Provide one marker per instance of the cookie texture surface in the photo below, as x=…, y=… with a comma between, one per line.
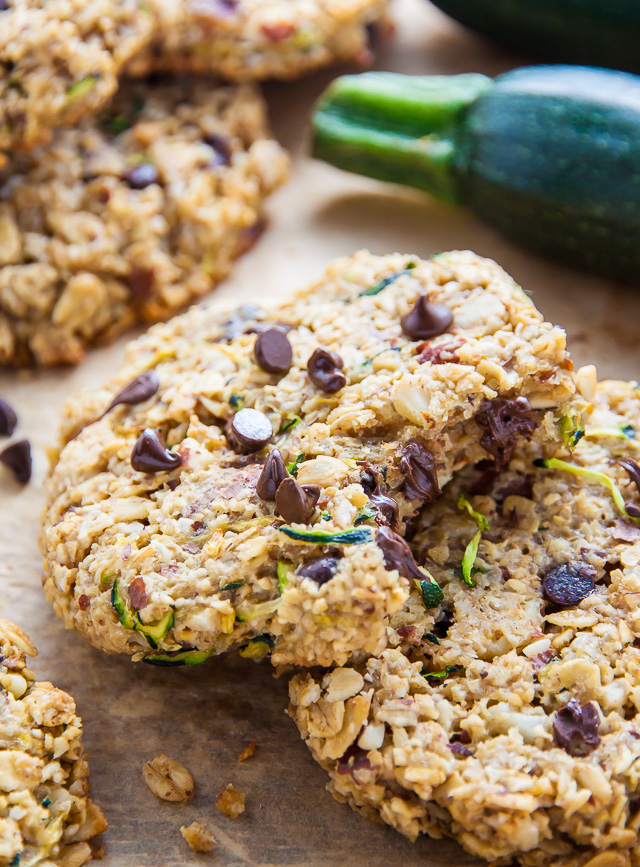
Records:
x=130, y=216
x=221, y=505
x=60, y=60
x=46, y=814
x=508, y=713
x=246, y=40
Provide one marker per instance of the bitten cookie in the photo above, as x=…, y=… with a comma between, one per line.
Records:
x=46, y=814
x=243, y=481
x=130, y=216
x=246, y=40
x=59, y=61
x=513, y=725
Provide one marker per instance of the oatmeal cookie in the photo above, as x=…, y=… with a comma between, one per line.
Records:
x=241, y=483
x=130, y=216
x=507, y=716
x=60, y=60
x=247, y=40
x=46, y=814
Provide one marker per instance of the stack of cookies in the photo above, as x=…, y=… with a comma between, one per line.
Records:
x=394, y=486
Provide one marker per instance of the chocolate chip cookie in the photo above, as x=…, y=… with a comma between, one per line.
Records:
x=46, y=814
x=246, y=40
x=507, y=714
x=60, y=60
x=243, y=483
x=130, y=216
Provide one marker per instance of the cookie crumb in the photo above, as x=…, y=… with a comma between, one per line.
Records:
x=198, y=838
x=230, y=802
x=168, y=779
x=247, y=752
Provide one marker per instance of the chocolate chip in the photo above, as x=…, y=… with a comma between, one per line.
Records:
x=295, y=502
x=250, y=430
x=575, y=728
x=386, y=507
x=426, y=320
x=142, y=176
x=138, y=390
x=273, y=351
x=8, y=419
x=354, y=759
x=141, y=283
x=17, y=457
x=418, y=466
x=397, y=554
x=221, y=147
x=459, y=749
x=241, y=321
x=273, y=474
x=325, y=371
x=568, y=584
x=4, y=5
x=321, y=570
x=632, y=510
x=504, y=421
x=149, y=454
x=632, y=468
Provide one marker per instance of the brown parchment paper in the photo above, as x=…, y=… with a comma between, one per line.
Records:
x=205, y=716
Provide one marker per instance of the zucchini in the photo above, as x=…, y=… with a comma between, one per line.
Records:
x=153, y=632
x=595, y=32
x=183, y=657
x=121, y=606
x=318, y=537
x=548, y=155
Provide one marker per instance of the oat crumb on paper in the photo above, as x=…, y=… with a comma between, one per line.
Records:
x=230, y=802
x=198, y=838
x=247, y=752
x=168, y=779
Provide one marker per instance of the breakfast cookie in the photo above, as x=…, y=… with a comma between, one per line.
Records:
x=241, y=483
x=46, y=814
x=59, y=61
x=507, y=716
x=131, y=216
x=246, y=40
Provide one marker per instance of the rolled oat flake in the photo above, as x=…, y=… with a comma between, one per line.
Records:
x=251, y=429
x=295, y=502
x=150, y=455
x=426, y=320
x=17, y=457
x=273, y=351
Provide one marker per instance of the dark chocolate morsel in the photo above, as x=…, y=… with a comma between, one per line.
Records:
x=17, y=457
x=141, y=176
x=221, y=147
x=460, y=749
x=397, y=554
x=325, y=370
x=568, y=584
x=139, y=389
x=355, y=759
x=426, y=320
x=633, y=470
x=575, y=728
x=273, y=474
x=418, y=466
x=633, y=510
x=150, y=455
x=242, y=320
x=8, y=419
x=295, y=503
x=273, y=351
x=504, y=421
x=321, y=570
x=250, y=430
x=386, y=507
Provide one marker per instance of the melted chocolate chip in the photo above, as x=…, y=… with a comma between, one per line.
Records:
x=273, y=351
x=295, y=502
x=386, y=507
x=460, y=749
x=222, y=148
x=142, y=176
x=325, y=371
x=397, y=554
x=250, y=430
x=632, y=468
x=4, y=5
x=242, y=321
x=17, y=457
x=8, y=419
x=138, y=390
x=504, y=421
x=568, y=584
x=426, y=320
x=575, y=728
x=321, y=570
x=273, y=474
x=418, y=466
x=149, y=454
x=354, y=759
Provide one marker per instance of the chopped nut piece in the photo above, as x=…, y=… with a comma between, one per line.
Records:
x=230, y=802
x=247, y=752
x=198, y=838
x=168, y=779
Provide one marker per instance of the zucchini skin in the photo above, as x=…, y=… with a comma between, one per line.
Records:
x=591, y=32
x=551, y=157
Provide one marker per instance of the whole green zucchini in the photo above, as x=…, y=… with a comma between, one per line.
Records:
x=549, y=155
x=595, y=32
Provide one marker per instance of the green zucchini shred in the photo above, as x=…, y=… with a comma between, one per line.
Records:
x=246, y=612
x=471, y=551
x=627, y=432
x=431, y=637
x=594, y=476
x=153, y=632
x=183, y=657
x=122, y=609
x=290, y=422
x=236, y=401
x=365, y=513
x=257, y=648
x=81, y=87
x=345, y=537
x=292, y=468
x=233, y=585
x=387, y=281
x=443, y=675
x=430, y=591
x=282, y=570
x=571, y=428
